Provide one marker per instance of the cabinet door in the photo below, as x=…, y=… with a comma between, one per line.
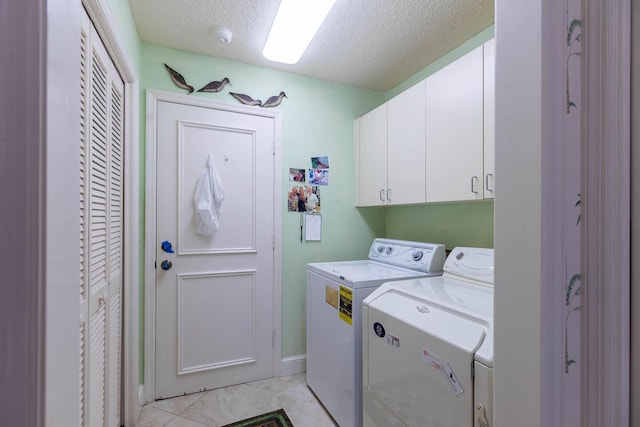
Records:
x=372, y=157
x=406, y=147
x=489, y=117
x=454, y=148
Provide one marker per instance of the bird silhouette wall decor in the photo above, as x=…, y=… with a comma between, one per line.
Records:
x=272, y=101
x=178, y=79
x=215, y=86
x=246, y=99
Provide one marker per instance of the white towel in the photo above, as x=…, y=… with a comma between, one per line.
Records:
x=208, y=200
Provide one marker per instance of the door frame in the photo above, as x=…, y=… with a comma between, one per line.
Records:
x=153, y=98
x=100, y=14
x=606, y=187
x=526, y=380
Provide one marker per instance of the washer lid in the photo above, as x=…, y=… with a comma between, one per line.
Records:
x=362, y=271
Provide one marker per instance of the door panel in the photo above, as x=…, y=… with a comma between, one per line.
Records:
x=214, y=307
x=197, y=312
x=194, y=144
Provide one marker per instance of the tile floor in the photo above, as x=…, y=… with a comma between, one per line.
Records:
x=216, y=408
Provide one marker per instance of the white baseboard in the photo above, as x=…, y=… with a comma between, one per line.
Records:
x=293, y=365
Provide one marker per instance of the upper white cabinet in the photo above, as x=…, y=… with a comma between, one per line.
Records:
x=489, y=117
x=371, y=157
x=433, y=142
x=406, y=147
x=454, y=155
x=390, y=151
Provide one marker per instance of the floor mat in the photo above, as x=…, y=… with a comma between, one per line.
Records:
x=277, y=418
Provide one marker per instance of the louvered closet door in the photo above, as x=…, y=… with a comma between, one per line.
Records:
x=101, y=211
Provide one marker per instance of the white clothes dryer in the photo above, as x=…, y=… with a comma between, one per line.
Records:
x=428, y=347
x=335, y=291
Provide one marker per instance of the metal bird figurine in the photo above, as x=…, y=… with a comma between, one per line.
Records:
x=246, y=99
x=178, y=79
x=274, y=101
x=215, y=86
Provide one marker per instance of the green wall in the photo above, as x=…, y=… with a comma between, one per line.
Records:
x=317, y=120
x=463, y=224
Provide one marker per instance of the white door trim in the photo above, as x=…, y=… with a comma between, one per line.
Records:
x=153, y=97
x=27, y=276
x=100, y=14
x=606, y=189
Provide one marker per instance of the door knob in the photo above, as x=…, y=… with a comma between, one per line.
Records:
x=166, y=265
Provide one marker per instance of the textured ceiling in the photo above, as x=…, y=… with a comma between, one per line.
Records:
x=372, y=44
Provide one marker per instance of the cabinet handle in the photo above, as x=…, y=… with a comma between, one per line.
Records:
x=382, y=194
x=473, y=186
x=389, y=194
x=486, y=182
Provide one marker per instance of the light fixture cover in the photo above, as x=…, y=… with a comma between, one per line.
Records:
x=297, y=21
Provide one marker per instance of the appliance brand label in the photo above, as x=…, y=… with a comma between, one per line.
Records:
x=393, y=341
x=379, y=329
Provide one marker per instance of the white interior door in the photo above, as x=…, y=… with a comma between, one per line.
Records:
x=101, y=159
x=214, y=306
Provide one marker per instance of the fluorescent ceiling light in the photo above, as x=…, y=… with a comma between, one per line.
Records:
x=295, y=25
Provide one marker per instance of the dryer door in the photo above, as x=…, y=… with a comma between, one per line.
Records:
x=419, y=363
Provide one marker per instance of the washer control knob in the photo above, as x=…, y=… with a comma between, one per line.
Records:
x=389, y=250
x=417, y=255
x=380, y=249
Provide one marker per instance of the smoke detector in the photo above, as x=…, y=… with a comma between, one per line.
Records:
x=222, y=34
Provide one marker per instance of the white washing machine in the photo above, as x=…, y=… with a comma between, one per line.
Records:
x=335, y=291
x=428, y=347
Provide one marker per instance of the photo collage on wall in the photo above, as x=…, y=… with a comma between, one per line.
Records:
x=304, y=190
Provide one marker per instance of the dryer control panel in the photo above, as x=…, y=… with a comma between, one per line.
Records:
x=420, y=256
x=474, y=264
